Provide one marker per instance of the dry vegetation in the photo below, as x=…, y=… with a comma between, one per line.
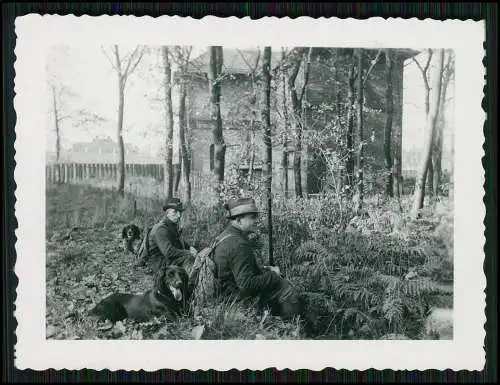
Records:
x=366, y=277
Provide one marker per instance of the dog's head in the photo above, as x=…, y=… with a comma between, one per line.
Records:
x=172, y=280
x=131, y=232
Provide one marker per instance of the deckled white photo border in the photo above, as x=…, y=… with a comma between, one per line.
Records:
x=35, y=33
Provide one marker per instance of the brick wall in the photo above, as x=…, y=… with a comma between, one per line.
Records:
x=236, y=111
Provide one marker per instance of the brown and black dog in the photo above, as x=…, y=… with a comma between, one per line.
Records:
x=131, y=235
x=168, y=297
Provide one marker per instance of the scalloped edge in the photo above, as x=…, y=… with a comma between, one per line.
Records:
x=26, y=181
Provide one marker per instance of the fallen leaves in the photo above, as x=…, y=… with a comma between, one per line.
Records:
x=82, y=271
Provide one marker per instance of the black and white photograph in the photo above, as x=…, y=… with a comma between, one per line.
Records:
x=229, y=186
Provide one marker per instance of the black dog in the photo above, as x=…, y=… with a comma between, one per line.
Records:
x=168, y=297
x=131, y=235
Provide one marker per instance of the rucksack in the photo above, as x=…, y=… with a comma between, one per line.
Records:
x=143, y=251
x=203, y=281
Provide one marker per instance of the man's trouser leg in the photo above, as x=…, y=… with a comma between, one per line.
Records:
x=284, y=301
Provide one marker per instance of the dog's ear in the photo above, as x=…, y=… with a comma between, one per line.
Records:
x=124, y=231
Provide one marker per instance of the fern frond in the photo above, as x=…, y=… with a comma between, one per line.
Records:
x=311, y=251
x=393, y=310
x=422, y=286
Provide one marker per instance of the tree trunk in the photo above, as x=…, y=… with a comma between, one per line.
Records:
x=297, y=127
x=430, y=171
x=350, y=128
x=251, y=133
x=305, y=124
x=438, y=140
x=297, y=172
x=360, y=134
x=121, y=146
x=418, y=200
x=388, y=124
x=58, y=138
x=214, y=73
x=437, y=151
x=186, y=164
x=397, y=131
x=437, y=156
x=177, y=175
x=425, y=77
x=169, y=123
x=284, y=155
x=266, y=120
x=343, y=178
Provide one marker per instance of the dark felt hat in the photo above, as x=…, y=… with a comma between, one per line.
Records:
x=173, y=203
x=241, y=206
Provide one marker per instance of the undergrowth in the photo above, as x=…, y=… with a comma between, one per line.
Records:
x=364, y=277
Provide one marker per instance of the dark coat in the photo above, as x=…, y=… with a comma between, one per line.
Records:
x=237, y=270
x=165, y=243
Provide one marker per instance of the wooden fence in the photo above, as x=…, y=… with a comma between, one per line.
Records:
x=106, y=175
x=75, y=172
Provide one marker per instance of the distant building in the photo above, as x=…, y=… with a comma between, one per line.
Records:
x=102, y=150
x=236, y=94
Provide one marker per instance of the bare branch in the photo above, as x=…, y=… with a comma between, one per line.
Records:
x=177, y=55
x=285, y=63
x=418, y=64
x=293, y=76
x=257, y=61
x=429, y=58
x=64, y=117
x=131, y=68
x=113, y=65
x=448, y=70
x=117, y=58
x=252, y=69
x=188, y=54
x=129, y=61
x=374, y=63
x=423, y=71
x=244, y=59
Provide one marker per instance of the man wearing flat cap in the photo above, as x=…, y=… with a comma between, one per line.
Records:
x=165, y=243
x=237, y=272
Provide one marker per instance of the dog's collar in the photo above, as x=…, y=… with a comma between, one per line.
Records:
x=162, y=295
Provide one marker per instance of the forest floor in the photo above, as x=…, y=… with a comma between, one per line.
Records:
x=85, y=262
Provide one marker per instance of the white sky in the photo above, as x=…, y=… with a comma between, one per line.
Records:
x=88, y=73
x=414, y=119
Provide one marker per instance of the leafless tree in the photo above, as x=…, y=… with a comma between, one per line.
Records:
x=250, y=153
x=182, y=56
x=169, y=120
x=432, y=116
x=124, y=66
x=214, y=84
x=388, y=123
x=360, y=133
x=297, y=109
x=437, y=148
x=286, y=122
x=266, y=120
x=424, y=70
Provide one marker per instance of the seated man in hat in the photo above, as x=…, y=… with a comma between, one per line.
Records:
x=165, y=243
x=237, y=272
